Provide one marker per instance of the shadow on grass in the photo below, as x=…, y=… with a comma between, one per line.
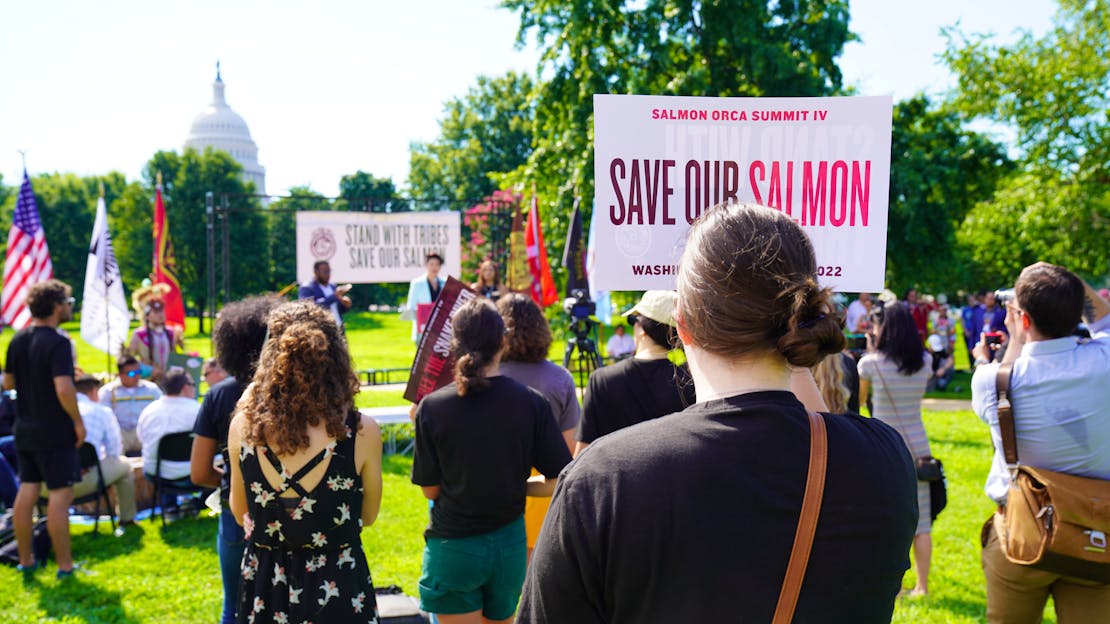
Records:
x=102, y=546
x=91, y=603
x=198, y=532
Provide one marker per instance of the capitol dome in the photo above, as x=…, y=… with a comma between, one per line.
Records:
x=221, y=128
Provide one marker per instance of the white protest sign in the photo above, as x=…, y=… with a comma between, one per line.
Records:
x=367, y=248
x=660, y=161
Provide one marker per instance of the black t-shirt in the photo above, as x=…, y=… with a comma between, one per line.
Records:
x=691, y=518
x=630, y=392
x=480, y=449
x=214, y=418
x=36, y=355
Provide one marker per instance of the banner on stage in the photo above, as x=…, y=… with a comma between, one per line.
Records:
x=368, y=248
x=660, y=161
x=434, y=365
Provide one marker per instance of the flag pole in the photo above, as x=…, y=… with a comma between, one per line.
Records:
x=107, y=307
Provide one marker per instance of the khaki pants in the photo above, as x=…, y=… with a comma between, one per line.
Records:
x=1017, y=594
x=131, y=444
x=117, y=472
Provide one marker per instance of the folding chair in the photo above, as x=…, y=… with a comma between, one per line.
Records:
x=172, y=447
x=89, y=459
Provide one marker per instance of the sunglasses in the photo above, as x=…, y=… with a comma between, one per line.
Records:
x=71, y=301
x=133, y=373
x=190, y=382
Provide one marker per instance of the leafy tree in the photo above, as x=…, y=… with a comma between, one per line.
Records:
x=67, y=206
x=1052, y=92
x=363, y=191
x=487, y=131
x=283, y=230
x=938, y=172
x=187, y=177
x=661, y=47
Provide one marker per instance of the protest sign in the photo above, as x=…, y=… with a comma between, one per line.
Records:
x=434, y=365
x=660, y=161
x=367, y=248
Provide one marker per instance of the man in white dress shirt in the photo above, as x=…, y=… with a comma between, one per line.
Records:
x=1059, y=395
x=620, y=345
x=174, y=412
x=102, y=431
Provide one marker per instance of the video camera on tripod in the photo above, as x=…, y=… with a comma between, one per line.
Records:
x=580, y=308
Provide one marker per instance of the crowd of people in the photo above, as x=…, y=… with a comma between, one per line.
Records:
x=679, y=491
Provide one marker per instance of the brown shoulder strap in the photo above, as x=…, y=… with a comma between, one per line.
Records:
x=1006, y=427
x=807, y=522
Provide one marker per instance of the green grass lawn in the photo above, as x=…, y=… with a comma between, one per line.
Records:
x=157, y=575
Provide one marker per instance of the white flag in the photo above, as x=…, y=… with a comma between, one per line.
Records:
x=600, y=297
x=105, y=319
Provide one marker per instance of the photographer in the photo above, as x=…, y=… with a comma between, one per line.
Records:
x=1059, y=395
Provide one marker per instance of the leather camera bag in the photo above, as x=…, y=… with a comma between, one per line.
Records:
x=1051, y=521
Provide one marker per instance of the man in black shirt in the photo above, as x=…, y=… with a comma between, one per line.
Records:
x=48, y=427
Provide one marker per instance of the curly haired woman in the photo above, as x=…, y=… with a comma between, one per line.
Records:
x=305, y=476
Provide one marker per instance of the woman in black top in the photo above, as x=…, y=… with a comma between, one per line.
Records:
x=476, y=442
x=644, y=386
x=305, y=476
x=691, y=517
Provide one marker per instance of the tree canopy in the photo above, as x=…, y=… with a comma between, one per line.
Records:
x=938, y=172
x=1052, y=92
x=660, y=47
x=486, y=132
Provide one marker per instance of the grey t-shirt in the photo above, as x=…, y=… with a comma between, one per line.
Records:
x=554, y=382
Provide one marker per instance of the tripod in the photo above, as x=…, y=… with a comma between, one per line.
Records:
x=588, y=360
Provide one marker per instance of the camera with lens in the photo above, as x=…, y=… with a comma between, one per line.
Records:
x=1004, y=296
x=579, y=306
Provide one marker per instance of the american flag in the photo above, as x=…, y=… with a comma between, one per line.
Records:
x=27, y=261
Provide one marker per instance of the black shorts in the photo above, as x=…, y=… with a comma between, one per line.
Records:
x=58, y=468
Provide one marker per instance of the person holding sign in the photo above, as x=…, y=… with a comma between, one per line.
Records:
x=691, y=517
x=422, y=292
x=473, y=457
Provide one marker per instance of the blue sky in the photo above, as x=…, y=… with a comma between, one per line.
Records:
x=331, y=87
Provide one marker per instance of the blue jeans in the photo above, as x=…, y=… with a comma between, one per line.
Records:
x=230, y=543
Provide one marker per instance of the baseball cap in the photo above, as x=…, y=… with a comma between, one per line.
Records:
x=657, y=305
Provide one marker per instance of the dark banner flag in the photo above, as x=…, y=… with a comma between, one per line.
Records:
x=434, y=365
x=574, y=255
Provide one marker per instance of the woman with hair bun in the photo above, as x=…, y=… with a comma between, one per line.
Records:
x=305, y=476
x=692, y=517
x=477, y=440
x=898, y=367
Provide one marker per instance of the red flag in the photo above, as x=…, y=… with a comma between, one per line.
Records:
x=543, y=285
x=165, y=265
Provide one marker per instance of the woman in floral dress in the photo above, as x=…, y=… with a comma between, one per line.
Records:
x=306, y=477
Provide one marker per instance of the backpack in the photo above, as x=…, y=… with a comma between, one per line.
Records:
x=40, y=540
